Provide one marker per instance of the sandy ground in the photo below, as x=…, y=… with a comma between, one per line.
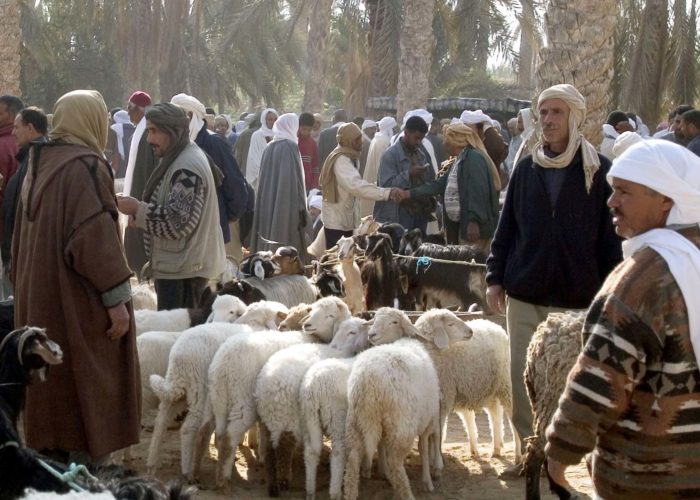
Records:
x=464, y=476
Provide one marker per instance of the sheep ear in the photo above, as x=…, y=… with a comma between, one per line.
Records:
x=440, y=338
x=408, y=327
x=271, y=325
x=304, y=319
x=210, y=318
x=259, y=270
x=281, y=316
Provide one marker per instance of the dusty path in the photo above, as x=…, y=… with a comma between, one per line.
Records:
x=463, y=477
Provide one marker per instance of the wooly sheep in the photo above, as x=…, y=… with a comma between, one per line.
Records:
x=295, y=318
x=352, y=280
x=235, y=368
x=186, y=378
x=264, y=315
x=277, y=400
x=289, y=290
x=551, y=354
x=473, y=374
x=143, y=296
x=227, y=309
x=393, y=395
x=380, y=273
x=323, y=396
x=173, y=320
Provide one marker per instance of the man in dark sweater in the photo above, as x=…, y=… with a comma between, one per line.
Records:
x=555, y=242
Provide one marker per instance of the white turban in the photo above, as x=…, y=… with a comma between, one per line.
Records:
x=577, y=107
x=624, y=141
x=120, y=119
x=191, y=104
x=121, y=116
x=267, y=131
x=386, y=126
x=369, y=124
x=427, y=117
x=286, y=127
x=475, y=117
x=316, y=201
x=673, y=171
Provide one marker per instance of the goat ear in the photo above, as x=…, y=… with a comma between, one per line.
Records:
x=403, y=281
x=259, y=270
x=305, y=319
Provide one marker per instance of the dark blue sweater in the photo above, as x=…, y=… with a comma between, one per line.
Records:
x=556, y=255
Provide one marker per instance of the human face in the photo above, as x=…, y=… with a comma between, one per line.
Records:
x=158, y=139
x=24, y=134
x=370, y=131
x=5, y=116
x=135, y=112
x=623, y=127
x=688, y=130
x=270, y=119
x=554, y=117
x=221, y=126
x=453, y=150
x=317, y=125
x=357, y=143
x=304, y=131
x=413, y=138
x=636, y=209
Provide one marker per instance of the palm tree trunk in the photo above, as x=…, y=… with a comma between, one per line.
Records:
x=579, y=51
x=10, y=44
x=417, y=42
x=529, y=43
x=316, y=49
x=383, y=41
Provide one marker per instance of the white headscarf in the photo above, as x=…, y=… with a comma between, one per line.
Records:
x=609, y=131
x=120, y=118
x=386, y=126
x=191, y=104
x=673, y=171
x=264, y=129
x=624, y=142
x=475, y=117
x=258, y=142
x=368, y=124
x=427, y=117
x=286, y=127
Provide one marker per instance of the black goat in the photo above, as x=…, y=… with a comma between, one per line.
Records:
x=410, y=241
x=380, y=273
x=25, y=357
x=329, y=282
x=463, y=253
x=395, y=232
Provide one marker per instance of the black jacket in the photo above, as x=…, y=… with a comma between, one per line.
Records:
x=554, y=256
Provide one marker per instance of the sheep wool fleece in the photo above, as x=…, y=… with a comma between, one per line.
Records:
x=67, y=253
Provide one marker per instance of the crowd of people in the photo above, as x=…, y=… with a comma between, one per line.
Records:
x=534, y=194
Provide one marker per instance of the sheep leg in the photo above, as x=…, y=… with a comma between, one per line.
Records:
x=262, y=443
x=534, y=459
x=166, y=414
x=202, y=443
x=188, y=441
x=270, y=465
x=495, y=412
x=436, y=461
x=468, y=418
x=351, y=477
x=366, y=468
x=253, y=440
x=382, y=466
x=235, y=430
x=396, y=473
x=424, y=448
x=285, y=452
x=337, y=467
x=312, y=456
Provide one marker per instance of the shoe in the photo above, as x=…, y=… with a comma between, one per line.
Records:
x=515, y=471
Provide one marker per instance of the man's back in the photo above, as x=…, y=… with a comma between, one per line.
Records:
x=327, y=142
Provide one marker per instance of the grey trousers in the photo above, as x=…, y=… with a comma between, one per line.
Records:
x=522, y=319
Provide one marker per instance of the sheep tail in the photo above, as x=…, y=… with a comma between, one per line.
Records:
x=164, y=391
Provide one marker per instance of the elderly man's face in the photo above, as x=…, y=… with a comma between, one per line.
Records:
x=637, y=209
x=135, y=112
x=554, y=117
x=357, y=143
x=158, y=139
x=221, y=126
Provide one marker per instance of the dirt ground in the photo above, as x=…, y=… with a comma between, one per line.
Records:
x=464, y=476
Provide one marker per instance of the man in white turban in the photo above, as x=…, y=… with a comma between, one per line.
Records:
x=555, y=242
x=496, y=147
x=632, y=397
x=369, y=129
x=379, y=144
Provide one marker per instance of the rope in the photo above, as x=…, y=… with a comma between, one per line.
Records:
x=422, y=262
x=70, y=476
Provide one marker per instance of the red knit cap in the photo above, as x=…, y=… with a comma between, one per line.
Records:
x=140, y=98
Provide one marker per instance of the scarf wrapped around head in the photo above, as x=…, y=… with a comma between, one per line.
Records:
x=577, y=115
x=286, y=127
x=192, y=105
x=347, y=133
x=172, y=120
x=80, y=117
x=461, y=136
x=386, y=126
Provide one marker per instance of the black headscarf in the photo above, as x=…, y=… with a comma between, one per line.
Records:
x=172, y=120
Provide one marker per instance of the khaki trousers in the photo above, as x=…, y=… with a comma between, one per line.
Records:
x=522, y=319
x=233, y=247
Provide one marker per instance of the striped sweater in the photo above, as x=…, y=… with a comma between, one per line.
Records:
x=633, y=397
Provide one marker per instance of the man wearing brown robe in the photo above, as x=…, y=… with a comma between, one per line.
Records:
x=71, y=277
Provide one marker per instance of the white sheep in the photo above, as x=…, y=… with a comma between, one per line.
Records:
x=277, y=396
x=323, y=396
x=186, y=377
x=235, y=368
x=393, y=395
x=264, y=315
x=227, y=309
x=172, y=320
x=352, y=280
x=551, y=355
x=143, y=296
x=473, y=374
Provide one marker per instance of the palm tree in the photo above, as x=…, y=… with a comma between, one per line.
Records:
x=580, y=53
x=10, y=43
x=317, y=55
x=684, y=53
x=417, y=43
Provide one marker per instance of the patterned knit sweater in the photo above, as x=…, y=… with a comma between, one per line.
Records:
x=633, y=397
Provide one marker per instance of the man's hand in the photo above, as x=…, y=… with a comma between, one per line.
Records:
x=127, y=205
x=496, y=298
x=119, y=317
x=473, y=233
x=557, y=472
x=398, y=195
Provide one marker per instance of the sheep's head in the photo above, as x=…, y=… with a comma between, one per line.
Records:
x=352, y=336
x=325, y=318
x=30, y=350
x=226, y=308
x=443, y=328
x=264, y=315
x=346, y=248
x=293, y=320
x=367, y=225
x=389, y=325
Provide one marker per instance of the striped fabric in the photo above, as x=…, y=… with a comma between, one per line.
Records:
x=633, y=397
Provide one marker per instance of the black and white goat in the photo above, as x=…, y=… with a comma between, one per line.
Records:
x=25, y=357
x=380, y=273
x=395, y=232
x=259, y=264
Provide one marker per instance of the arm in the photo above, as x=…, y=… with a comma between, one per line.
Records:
x=432, y=188
x=349, y=179
x=391, y=173
x=177, y=218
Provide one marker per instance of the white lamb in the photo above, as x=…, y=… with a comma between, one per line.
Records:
x=143, y=296
x=236, y=366
x=277, y=397
x=473, y=374
x=393, y=395
x=352, y=280
x=186, y=377
x=172, y=320
x=264, y=315
x=323, y=396
x=227, y=309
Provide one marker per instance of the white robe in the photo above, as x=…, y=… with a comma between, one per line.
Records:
x=379, y=144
